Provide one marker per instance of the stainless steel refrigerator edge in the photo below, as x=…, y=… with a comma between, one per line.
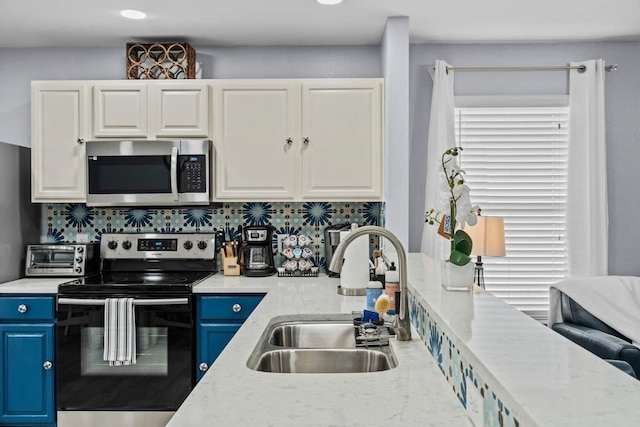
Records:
x=19, y=218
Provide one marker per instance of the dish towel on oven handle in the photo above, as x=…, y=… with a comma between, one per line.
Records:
x=119, y=331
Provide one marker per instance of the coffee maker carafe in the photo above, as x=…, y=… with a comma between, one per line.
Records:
x=256, y=253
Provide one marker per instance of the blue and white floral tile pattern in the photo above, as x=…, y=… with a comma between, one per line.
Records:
x=136, y=219
x=78, y=215
x=316, y=213
x=65, y=221
x=53, y=236
x=457, y=371
x=198, y=217
x=372, y=212
x=257, y=213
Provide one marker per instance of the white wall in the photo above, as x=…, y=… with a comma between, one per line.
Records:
x=395, y=65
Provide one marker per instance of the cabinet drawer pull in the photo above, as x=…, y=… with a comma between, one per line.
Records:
x=22, y=308
x=47, y=365
x=80, y=141
x=203, y=367
x=305, y=140
x=289, y=141
x=237, y=308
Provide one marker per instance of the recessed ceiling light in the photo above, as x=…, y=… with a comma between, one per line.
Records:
x=329, y=2
x=133, y=14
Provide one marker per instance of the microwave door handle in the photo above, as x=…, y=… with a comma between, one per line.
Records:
x=165, y=301
x=174, y=173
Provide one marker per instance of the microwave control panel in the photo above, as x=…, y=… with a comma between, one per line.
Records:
x=192, y=173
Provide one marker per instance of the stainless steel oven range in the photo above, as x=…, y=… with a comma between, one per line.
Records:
x=126, y=336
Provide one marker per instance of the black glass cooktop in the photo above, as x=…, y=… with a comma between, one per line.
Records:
x=112, y=283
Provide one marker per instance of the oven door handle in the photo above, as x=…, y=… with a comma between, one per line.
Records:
x=165, y=301
x=174, y=173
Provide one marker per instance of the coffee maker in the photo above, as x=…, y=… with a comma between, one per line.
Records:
x=256, y=252
x=331, y=241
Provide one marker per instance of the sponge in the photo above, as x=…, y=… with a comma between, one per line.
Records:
x=383, y=303
x=370, y=316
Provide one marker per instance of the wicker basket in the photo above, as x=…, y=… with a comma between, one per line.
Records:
x=161, y=61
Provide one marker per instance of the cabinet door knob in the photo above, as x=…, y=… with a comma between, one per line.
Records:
x=305, y=140
x=289, y=141
x=22, y=308
x=80, y=141
x=203, y=367
x=47, y=365
x=237, y=308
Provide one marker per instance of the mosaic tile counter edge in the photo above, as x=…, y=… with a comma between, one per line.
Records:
x=453, y=361
x=63, y=222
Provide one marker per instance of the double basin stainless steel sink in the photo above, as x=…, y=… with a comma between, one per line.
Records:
x=317, y=344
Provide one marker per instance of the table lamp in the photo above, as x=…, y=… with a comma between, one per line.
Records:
x=488, y=240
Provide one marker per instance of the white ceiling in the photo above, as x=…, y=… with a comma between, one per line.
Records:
x=97, y=23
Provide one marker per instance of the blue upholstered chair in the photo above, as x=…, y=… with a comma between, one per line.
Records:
x=589, y=332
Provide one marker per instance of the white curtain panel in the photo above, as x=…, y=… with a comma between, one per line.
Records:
x=587, y=210
x=441, y=136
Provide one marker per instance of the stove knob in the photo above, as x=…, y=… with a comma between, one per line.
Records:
x=202, y=245
x=80, y=249
x=78, y=259
x=126, y=245
x=78, y=269
x=112, y=245
x=188, y=245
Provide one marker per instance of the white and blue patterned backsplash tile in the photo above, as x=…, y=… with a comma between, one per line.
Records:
x=63, y=222
x=458, y=372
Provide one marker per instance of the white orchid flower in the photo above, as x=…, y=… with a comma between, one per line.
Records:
x=465, y=213
x=459, y=190
x=444, y=185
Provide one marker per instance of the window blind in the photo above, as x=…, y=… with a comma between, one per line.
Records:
x=516, y=164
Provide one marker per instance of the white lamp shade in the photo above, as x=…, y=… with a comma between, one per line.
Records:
x=487, y=236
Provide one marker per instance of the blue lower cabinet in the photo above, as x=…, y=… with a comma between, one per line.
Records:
x=218, y=318
x=27, y=380
x=212, y=339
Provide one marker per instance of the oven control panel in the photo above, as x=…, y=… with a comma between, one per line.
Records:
x=158, y=245
x=164, y=245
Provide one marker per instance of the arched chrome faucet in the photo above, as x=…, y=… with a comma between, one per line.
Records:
x=401, y=323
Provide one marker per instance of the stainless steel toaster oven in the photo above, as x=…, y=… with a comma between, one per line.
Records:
x=62, y=259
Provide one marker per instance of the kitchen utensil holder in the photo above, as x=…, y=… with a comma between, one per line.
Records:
x=230, y=266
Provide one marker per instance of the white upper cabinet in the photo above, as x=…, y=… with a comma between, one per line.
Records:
x=179, y=109
x=60, y=122
x=120, y=110
x=255, y=125
x=317, y=139
x=274, y=139
x=151, y=109
x=342, y=140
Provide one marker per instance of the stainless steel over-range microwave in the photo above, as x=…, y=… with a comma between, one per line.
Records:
x=144, y=172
